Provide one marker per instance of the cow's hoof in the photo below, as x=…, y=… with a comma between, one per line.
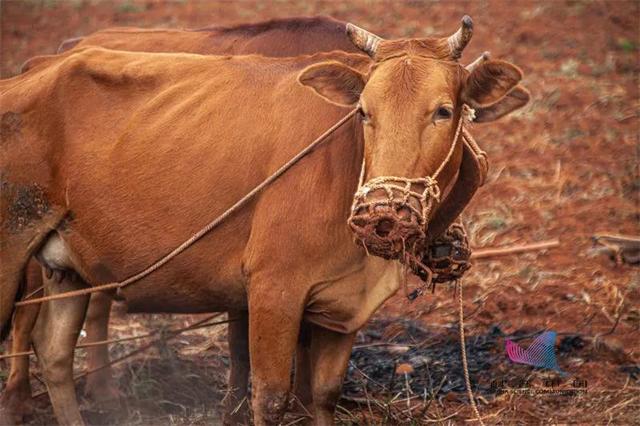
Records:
x=240, y=417
x=270, y=407
x=10, y=418
x=297, y=408
x=106, y=396
x=236, y=420
x=15, y=406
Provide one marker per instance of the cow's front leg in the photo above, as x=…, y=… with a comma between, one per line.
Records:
x=100, y=386
x=274, y=320
x=54, y=339
x=330, y=353
x=236, y=404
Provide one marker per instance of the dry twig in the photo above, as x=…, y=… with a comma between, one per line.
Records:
x=493, y=252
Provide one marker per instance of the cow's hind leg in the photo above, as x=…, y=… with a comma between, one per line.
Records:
x=274, y=322
x=236, y=404
x=100, y=386
x=16, y=401
x=54, y=339
x=330, y=352
x=25, y=220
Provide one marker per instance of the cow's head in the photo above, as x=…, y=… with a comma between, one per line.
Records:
x=411, y=103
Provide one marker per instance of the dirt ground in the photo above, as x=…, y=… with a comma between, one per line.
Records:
x=566, y=167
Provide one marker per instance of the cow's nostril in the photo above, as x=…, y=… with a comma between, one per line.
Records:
x=384, y=227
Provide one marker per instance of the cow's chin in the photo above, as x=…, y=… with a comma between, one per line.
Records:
x=388, y=232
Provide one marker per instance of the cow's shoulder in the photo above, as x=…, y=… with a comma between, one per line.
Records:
x=58, y=74
x=93, y=62
x=105, y=66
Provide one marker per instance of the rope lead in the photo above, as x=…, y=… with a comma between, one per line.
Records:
x=463, y=352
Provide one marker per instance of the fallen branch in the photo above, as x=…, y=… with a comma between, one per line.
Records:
x=502, y=251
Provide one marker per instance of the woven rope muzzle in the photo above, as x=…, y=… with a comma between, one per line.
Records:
x=390, y=214
x=397, y=222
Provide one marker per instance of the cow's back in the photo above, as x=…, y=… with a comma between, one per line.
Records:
x=275, y=38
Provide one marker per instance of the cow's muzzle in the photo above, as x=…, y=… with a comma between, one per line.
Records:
x=389, y=216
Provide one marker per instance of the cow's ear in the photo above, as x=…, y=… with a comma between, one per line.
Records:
x=334, y=81
x=489, y=82
x=516, y=98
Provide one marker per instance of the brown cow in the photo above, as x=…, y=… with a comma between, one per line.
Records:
x=343, y=287
x=277, y=38
x=280, y=37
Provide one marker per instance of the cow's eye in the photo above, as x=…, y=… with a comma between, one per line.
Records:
x=364, y=116
x=443, y=113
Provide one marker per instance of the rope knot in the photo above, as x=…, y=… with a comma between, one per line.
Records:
x=468, y=113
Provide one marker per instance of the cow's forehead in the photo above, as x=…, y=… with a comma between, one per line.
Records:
x=407, y=75
x=434, y=48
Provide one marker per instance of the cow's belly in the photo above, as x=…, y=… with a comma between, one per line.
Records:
x=207, y=277
x=190, y=283
x=168, y=295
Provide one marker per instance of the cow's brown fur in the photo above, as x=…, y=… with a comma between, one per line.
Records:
x=278, y=37
x=275, y=38
x=104, y=245
x=434, y=48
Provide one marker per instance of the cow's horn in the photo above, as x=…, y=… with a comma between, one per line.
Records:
x=459, y=40
x=481, y=60
x=363, y=39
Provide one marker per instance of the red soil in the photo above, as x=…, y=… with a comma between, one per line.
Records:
x=565, y=166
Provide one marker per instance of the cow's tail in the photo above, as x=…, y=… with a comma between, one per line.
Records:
x=8, y=308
